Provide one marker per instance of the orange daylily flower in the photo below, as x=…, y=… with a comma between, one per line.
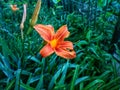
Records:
x=55, y=41
x=14, y=7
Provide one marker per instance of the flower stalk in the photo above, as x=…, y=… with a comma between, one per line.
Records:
x=23, y=20
x=34, y=16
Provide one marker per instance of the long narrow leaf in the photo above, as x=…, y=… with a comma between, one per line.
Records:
x=74, y=78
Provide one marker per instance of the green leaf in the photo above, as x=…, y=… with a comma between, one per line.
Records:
x=17, y=83
x=81, y=86
x=60, y=87
x=79, y=80
x=116, y=87
x=6, y=69
x=64, y=71
x=74, y=78
x=93, y=83
x=56, y=1
x=81, y=43
x=52, y=62
x=110, y=84
x=24, y=72
x=10, y=85
x=99, y=37
x=34, y=59
x=29, y=78
x=88, y=35
x=54, y=78
x=26, y=87
x=53, y=11
x=94, y=50
x=34, y=79
x=40, y=84
x=103, y=3
x=6, y=51
x=104, y=75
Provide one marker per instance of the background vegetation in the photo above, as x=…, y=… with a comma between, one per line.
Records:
x=91, y=24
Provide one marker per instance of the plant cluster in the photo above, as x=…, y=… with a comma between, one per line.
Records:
x=22, y=67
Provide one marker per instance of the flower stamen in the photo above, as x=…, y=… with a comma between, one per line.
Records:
x=53, y=43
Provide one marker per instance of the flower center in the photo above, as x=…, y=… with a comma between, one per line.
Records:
x=53, y=43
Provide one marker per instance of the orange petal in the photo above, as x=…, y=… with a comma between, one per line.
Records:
x=14, y=7
x=46, y=50
x=65, y=53
x=51, y=27
x=62, y=33
x=65, y=45
x=45, y=31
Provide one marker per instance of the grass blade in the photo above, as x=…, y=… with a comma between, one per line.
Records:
x=90, y=85
x=40, y=83
x=74, y=77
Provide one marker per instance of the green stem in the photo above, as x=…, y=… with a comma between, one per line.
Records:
x=29, y=30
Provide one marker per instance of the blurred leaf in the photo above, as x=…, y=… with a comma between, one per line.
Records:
x=59, y=87
x=59, y=7
x=26, y=87
x=94, y=50
x=117, y=87
x=105, y=75
x=99, y=37
x=73, y=65
x=29, y=79
x=34, y=79
x=6, y=51
x=34, y=59
x=52, y=62
x=53, y=11
x=40, y=83
x=56, y=1
x=10, y=85
x=64, y=71
x=81, y=86
x=80, y=80
x=24, y=72
x=117, y=50
x=7, y=71
x=81, y=43
x=93, y=83
x=54, y=78
x=103, y=3
x=110, y=84
x=88, y=35
x=17, y=82
x=74, y=78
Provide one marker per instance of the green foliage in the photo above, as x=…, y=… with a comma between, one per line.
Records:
x=23, y=68
x=103, y=3
x=56, y=1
